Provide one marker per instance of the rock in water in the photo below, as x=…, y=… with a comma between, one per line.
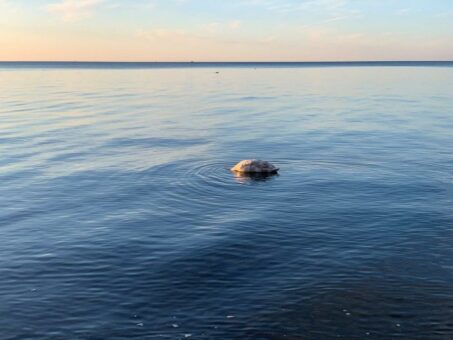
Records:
x=254, y=166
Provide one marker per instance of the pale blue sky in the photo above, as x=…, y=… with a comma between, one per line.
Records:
x=202, y=30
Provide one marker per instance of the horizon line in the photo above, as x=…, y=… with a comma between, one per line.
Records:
x=224, y=61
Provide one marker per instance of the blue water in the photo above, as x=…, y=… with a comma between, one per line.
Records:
x=119, y=217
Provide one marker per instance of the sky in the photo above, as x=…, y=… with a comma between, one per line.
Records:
x=225, y=30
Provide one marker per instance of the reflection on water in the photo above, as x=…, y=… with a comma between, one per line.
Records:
x=243, y=178
x=119, y=217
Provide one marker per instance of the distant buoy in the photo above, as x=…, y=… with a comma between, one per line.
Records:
x=254, y=166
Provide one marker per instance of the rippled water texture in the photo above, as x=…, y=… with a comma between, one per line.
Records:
x=119, y=217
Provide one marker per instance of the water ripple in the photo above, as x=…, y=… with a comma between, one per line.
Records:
x=120, y=218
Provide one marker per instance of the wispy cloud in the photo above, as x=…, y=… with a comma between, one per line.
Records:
x=214, y=28
x=201, y=45
x=7, y=7
x=209, y=31
x=333, y=10
x=291, y=5
x=234, y=25
x=71, y=10
x=444, y=14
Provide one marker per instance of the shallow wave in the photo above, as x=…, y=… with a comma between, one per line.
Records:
x=120, y=217
x=194, y=184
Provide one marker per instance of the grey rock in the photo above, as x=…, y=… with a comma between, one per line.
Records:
x=253, y=166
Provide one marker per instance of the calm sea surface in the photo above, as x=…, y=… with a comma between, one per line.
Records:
x=119, y=217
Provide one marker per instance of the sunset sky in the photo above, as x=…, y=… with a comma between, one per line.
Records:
x=226, y=30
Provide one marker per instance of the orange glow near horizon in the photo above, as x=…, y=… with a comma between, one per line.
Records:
x=243, y=30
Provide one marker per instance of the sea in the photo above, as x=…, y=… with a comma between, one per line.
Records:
x=120, y=218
